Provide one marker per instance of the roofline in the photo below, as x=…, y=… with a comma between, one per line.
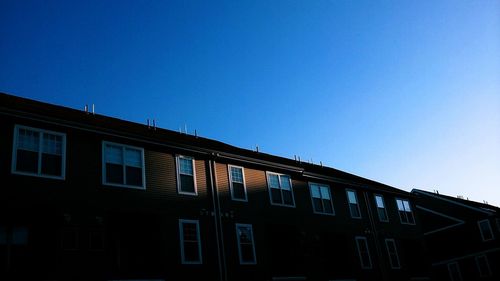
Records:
x=217, y=153
x=427, y=193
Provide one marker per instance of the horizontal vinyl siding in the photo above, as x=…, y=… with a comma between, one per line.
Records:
x=161, y=174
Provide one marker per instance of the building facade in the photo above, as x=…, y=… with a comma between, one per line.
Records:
x=90, y=197
x=462, y=236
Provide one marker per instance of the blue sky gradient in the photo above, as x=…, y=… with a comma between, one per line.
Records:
x=403, y=92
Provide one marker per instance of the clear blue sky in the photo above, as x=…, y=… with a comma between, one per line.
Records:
x=402, y=92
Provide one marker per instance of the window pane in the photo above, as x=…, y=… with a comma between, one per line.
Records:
x=354, y=210
x=28, y=140
x=247, y=253
x=51, y=164
x=133, y=157
x=273, y=181
x=186, y=166
x=287, y=197
x=352, y=197
x=239, y=191
x=52, y=144
x=318, y=207
x=380, y=201
x=327, y=204
x=400, y=205
x=114, y=154
x=315, y=193
x=276, y=196
x=325, y=192
x=114, y=173
x=134, y=176
x=236, y=175
x=406, y=205
x=245, y=234
x=189, y=230
x=285, y=182
x=486, y=230
x=187, y=183
x=27, y=161
x=191, y=251
x=381, y=214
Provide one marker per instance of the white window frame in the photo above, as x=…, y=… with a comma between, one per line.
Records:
x=385, y=207
x=231, y=183
x=312, y=199
x=395, y=252
x=406, y=212
x=481, y=230
x=198, y=240
x=123, y=146
x=487, y=262
x=237, y=225
x=39, y=173
x=449, y=265
x=363, y=238
x=357, y=203
x=178, y=166
x=281, y=189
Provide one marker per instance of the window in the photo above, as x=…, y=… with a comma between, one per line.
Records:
x=190, y=241
x=404, y=210
x=364, y=252
x=392, y=252
x=382, y=212
x=485, y=229
x=280, y=189
x=352, y=199
x=483, y=266
x=237, y=183
x=38, y=152
x=454, y=272
x=186, y=176
x=123, y=165
x=246, y=247
x=321, y=198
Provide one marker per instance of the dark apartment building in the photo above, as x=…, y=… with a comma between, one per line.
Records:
x=90, y=197
x=463, y=236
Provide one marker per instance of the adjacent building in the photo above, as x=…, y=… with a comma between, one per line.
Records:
x=90, y=197
x=462, y=236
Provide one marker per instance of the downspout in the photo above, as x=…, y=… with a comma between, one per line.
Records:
x=217, y=220
x=375, y=237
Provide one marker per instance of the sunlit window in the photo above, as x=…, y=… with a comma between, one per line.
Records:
x=39, y=152
x=123, y=165
x=186, y=176
x=321, y=198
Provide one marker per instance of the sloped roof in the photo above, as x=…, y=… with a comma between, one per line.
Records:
x=14, y=105
x=482, y=207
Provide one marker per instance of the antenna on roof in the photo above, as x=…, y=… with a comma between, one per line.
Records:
x=185, y=129
x=295, y=157
x=485, y=202
x=321, y=163
x=154, y=124
x=93, y=108
x=86, y=108
x=257, y=148
x=195, y=133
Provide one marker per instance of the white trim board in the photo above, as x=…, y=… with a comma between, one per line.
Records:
x=458, y=221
